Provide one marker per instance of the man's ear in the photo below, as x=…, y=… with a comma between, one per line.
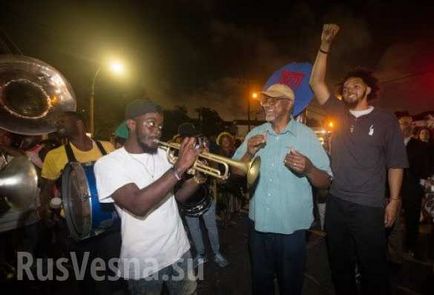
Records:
x=368, y=90
x=131, y=124
x=290, y=106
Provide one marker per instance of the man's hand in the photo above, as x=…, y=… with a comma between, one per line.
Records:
x=392, y=211
x=298, y=162
x=430, y=121
x=255, y=143
x=187, y=155
x=329, y=32
x=46, y=216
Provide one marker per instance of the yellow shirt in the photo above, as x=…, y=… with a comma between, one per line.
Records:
x=56, y=159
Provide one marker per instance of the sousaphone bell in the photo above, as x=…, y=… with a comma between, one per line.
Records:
x=32, y=93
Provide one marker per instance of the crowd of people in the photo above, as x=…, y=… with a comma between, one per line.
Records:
x=377, y=166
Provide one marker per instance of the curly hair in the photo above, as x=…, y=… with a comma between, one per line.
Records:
x=367, y=77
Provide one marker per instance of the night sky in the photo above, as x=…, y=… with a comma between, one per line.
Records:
x=203, y=53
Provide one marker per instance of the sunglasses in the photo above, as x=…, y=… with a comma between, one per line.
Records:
x=151, y=124
x=267, y=100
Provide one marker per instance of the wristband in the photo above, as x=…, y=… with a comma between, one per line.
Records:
x=176, y=174
x=323, y=51
x=396, y=199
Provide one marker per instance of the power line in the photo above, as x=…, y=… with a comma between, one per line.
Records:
x=7, y=43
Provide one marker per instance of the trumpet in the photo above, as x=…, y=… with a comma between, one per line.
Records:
x=251, y=169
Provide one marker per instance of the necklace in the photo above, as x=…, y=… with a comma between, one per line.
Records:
x=144, y=165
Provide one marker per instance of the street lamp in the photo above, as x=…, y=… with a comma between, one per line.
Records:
x=254, y=95
x=116, y=68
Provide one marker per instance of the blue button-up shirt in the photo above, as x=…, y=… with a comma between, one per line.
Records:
x=282, y=200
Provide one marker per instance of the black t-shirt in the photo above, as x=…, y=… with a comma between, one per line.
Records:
x=362, y=149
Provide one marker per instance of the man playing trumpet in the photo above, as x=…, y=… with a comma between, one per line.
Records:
x=139, y=179
x=292, y=160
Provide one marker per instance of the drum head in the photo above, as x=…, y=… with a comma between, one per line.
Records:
x=77, y=200
x=197, y=204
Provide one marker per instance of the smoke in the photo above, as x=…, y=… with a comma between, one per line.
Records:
x=406, y=71
x=248, y=55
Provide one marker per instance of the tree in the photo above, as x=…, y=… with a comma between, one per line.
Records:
x=172, y=119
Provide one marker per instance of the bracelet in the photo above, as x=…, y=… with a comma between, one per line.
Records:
x=176, y=173
x=323, y=51
x=396, y=199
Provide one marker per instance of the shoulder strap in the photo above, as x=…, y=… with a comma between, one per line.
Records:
x=101, y=147
x=70, y=153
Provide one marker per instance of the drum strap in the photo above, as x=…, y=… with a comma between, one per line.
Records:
x=70, y=153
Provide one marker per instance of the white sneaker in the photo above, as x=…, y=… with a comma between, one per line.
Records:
x=220, y=260
x=199, y=259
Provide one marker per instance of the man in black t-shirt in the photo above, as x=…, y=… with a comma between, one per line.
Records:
x=366, y=150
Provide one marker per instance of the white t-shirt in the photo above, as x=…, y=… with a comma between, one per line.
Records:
x=358, y=114
x=152, y=242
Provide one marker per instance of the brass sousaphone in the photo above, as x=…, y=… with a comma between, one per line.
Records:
x=19, y=183
x=32, y=93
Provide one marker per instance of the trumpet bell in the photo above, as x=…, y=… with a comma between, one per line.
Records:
x=19, y=183
x=253, y=171
x=32, y=93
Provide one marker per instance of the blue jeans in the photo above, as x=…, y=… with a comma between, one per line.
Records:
x=277, y=255
x=179, y=278
x=211, y=226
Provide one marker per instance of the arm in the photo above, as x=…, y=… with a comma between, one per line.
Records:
x=189, y=187
x=303, y=165
x=318, y=178
x=317, y=78
x=45, y=196
x=141, y=201
x=394, y=176
x=430, y=121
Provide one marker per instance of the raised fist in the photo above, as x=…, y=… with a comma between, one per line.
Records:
x=329, y=31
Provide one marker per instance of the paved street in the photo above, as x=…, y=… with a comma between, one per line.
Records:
x=412, y=277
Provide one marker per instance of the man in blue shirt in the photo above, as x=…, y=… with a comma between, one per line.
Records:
x=292, y=160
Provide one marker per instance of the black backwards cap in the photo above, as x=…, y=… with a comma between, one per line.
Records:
x=140, y=107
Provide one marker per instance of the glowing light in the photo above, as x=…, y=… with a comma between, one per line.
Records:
x=53, y=100
x=117, y=68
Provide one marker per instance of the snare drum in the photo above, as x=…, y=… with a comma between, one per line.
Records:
x=197, y=204
x=85, y=216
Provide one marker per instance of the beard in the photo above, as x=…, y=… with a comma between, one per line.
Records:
x=147, y=148
x=272, y=116
x=352, y=104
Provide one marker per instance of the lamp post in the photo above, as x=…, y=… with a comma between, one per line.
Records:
x=116, y=68
x=254, y=95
